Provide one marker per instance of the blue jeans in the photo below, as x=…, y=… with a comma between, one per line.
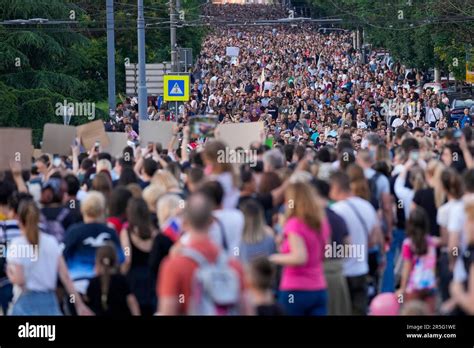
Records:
x=304, y=303
x=388, y=279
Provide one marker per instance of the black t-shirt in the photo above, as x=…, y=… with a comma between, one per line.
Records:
x=116, y=298
x=160, y=249
x=52, y=214
x=339, y=229
x=270, y=310
x=425, y=199
x=273, y=110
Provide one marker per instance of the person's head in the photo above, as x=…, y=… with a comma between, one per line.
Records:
x=127, y=176
x=340, y=186
x=28, y=219
x=118, y=201
x=418, y=227
x=434, y=169
x=14, y=201
x=303, y=203
x=166, y=180
x=73, y=185
x=194, y=177
x=169, y=205
x=365, y=158
x=273, y=160
x=452, y=183
x=359, y=184
x=212, y=153
x=104, y=165
x=106, y=264
x=261, y=274
x=138, y=217
x=53, y=191
x=417, y=178
x=197, y=217
x=149, y=167
x=93, y=207
x=102, y=183
x=254, y=227
x=151, y=194
x=214, y=192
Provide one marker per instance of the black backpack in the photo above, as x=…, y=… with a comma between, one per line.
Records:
x=374, y=197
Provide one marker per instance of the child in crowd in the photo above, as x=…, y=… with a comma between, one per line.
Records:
x=260, y=278
x=419, y=256
x=108, y=293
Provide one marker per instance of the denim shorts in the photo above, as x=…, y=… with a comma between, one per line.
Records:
x=36, y=303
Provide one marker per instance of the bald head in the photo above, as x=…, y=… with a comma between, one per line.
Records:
x=198, y=212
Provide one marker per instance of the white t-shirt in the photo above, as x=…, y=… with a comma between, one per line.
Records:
x=356, y=266
x=40, y=263
x=232, y=225
x=446, y=212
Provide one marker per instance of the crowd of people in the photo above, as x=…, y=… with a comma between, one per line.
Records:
x=360, y=199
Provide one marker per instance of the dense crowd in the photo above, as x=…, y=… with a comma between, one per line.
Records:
x=359, y=199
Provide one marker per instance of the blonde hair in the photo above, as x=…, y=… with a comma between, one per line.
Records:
x=103, y=164
x=303, y=203
x=434, y=169
x=151, y=195
x=93, y=205
x=165, y=179
x=135, y=189
x=167, y=206
x=254, y=227
x=29, y=216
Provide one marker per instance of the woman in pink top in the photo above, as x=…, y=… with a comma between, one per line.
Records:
x=305, y=234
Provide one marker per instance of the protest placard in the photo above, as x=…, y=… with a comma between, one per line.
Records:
x=15, y=146
x=58, y=138
x=91, y=132
x=240, y=134
x=156, y=131
x=117, y=142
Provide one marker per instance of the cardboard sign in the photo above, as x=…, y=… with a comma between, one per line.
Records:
x=156, y=132
x=240, y=134
x=118, y=141
x=15, y=146
x=58, y=138
x=232, y=51
x=91, y=132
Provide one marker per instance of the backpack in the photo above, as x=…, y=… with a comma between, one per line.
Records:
x=423, y=275
x=374, y=197
x=215, y=286
x=55, y=227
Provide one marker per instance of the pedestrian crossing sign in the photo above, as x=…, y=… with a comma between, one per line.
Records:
x=176, y=87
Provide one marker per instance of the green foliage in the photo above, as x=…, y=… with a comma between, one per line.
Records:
x=426, y=34
x=41, y=65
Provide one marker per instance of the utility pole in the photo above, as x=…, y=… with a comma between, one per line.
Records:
x=111, y=55
x=174, y=53
x=142, y=92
